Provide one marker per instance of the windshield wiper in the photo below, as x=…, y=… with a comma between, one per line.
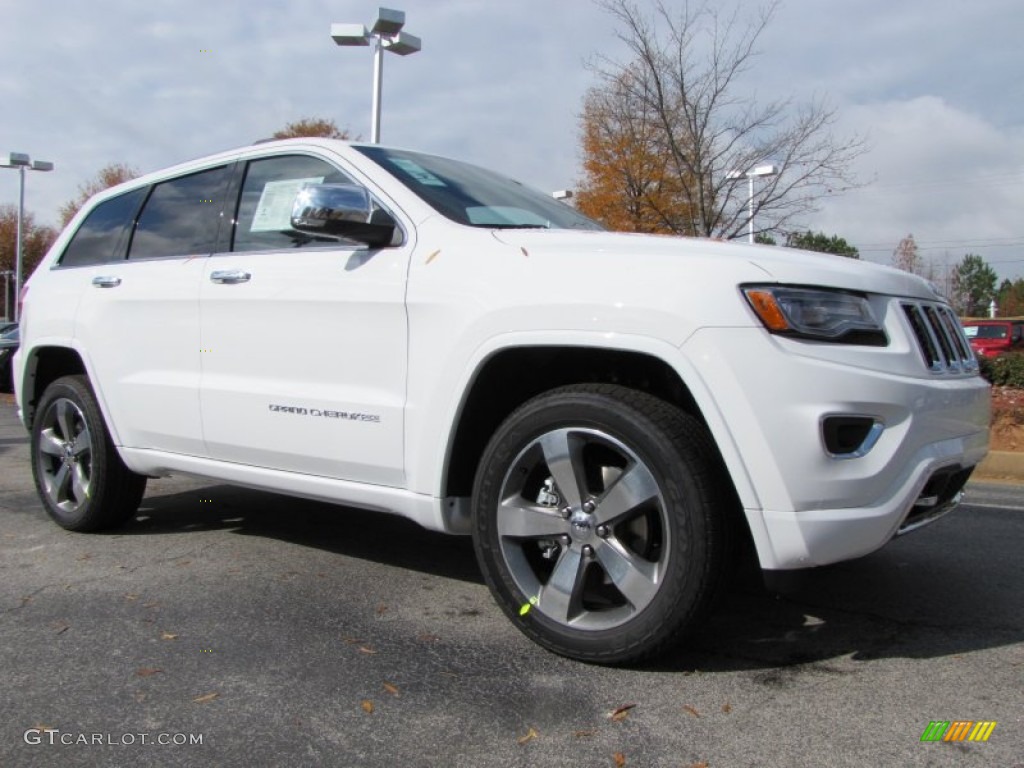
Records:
x=517, y=226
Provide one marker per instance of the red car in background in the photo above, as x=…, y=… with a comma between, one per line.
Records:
x=990, y=338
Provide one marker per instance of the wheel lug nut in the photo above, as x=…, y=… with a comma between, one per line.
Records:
x=602, y=531
x=566, y=513
x=589, y=506
x=588, y=551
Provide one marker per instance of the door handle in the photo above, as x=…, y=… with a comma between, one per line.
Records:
x=106, y=281
x=230, y=276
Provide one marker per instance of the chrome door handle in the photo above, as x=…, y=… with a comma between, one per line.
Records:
x=230, y=276
x=106, y=281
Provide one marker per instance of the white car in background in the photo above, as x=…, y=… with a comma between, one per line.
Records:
x=608, y=415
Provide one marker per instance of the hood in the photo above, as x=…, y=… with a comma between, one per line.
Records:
x=778, y=264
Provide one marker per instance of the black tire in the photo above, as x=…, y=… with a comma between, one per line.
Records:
x=658, y=525
x=83, y=484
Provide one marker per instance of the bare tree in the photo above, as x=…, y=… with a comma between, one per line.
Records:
x=685, y=69
x=908, y=258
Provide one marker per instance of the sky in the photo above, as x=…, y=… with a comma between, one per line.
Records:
x=934, y=86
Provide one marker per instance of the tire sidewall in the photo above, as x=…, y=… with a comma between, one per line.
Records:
x=76, y=390
x=684, y=577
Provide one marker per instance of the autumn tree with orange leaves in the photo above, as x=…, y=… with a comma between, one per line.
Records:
x=36, y=241
x=628, y=182
x=668, y=135
x=312, y=127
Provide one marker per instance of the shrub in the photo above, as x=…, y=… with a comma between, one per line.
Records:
x=1005, y=370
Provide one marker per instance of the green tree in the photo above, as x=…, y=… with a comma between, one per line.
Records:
x=822, y=243
x=36, y=241
x=974, y=285
x=312, y=127
x=108, y=176
x=1010, y=298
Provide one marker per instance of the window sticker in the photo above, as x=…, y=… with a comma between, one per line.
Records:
x=274, y=212
x=418, y=172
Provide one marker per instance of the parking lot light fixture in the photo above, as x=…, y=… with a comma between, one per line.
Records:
x=761, y=170
x=21, y=161
x=388, y=35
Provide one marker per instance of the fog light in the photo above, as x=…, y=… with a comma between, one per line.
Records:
x=850, y=437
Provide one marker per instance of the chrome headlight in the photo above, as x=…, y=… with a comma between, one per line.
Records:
x=816, y=313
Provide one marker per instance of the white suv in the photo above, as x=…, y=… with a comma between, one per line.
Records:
x=608, y=415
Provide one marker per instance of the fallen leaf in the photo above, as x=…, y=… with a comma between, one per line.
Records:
x=382, y=609
x=86, y=556
x=527, y=737
x=583, y=734
x=182, y=562
x=352, y=640
x=392, y=689
x=428, y=638
x=61, y=628
x=153, y=604
x=147, y=671
x=525, y=253
x=205, y=698
x=367, y=706
x=41, y=727
x=690, y=710
x=620, y=759
x=727, y=707
x=130, y=596
x=365, y=649
x=620, y=713
x=701, y=764
x=168, y=636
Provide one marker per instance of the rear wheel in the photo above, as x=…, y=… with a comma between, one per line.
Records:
x=81, y=479
x=601, y=522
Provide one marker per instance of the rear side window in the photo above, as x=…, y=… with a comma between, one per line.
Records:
x=264, y=210
x=180, y=217
x=101, y=238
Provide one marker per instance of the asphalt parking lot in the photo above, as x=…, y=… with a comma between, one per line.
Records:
x=284, y=632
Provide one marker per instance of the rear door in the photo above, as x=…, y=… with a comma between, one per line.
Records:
x=303, y=340
x=138, y=320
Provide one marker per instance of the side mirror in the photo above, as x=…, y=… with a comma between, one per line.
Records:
x=344, y=211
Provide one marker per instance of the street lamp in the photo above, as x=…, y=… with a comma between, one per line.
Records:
x=21, y=161
x=761, y=170
x=388, y=34
x=7, y=274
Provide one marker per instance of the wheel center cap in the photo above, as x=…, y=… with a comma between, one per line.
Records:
x=581, y=526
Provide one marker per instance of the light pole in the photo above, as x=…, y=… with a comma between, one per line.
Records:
x=21, y=161
x=388, y=35
x=7, y=292
x=761, y=170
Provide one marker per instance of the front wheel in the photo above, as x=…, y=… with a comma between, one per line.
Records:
x=81, y=479
x=601, y=522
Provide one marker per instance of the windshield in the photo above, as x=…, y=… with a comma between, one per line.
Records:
x=476, y=197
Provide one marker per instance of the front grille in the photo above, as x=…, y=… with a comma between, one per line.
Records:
x=940, y=338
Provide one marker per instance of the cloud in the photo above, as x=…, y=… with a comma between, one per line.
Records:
x=948, y=176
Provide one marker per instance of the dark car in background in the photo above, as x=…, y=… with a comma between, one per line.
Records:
x=8, y=346
x=990, y=338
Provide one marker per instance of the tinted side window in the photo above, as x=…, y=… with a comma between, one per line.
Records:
x=180, y=217
x=265, y=207
x=101, y=237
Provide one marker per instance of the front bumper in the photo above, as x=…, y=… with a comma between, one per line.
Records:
x=806, y=506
